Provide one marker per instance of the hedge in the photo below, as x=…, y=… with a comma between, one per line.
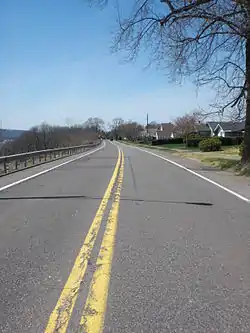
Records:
x=210, y=144
x=231, y=141
x=167, y=141
x=194, y=141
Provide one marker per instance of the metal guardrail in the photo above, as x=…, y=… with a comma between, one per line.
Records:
x=13, y=163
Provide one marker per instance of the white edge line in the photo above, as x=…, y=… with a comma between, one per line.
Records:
x=50, y=169
x=196, y=174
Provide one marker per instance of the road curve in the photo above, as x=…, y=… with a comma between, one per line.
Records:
x=122, y=241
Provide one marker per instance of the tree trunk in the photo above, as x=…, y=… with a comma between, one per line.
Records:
x=246, y=151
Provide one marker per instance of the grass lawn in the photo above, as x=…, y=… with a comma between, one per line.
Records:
x=227, y=158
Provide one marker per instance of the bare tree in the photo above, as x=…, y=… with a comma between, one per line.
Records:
x=185, y=125
x=206, y=39
x=129, y=129
x=132, y=130
x=117, y=127
x=46, y=136
x=95, y=123
x=116, y=122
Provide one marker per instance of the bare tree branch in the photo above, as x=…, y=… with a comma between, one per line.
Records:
x=208, y=40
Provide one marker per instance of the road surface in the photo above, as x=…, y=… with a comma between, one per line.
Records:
x=122, y=241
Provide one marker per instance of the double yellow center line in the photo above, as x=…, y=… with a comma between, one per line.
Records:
x=93, y=315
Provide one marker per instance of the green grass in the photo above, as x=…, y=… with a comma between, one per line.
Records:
x=228, y=164
x=226, y=159
x=222, y=163
x=173, y=147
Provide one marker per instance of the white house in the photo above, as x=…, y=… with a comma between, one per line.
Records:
x=230, y=129
x=164, y=131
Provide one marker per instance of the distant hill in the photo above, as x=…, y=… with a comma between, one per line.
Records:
x=10, y=134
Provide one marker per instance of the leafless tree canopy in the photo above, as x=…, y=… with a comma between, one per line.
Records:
x=97, y=124
x=128, y=129
x=202, y=38
x=47, y=137
x=185, y=124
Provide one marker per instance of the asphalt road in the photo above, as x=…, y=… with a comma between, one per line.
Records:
x=180, y=247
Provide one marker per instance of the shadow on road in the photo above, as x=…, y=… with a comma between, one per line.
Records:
x=62, y=197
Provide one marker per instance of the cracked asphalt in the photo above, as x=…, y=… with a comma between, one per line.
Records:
x=182, y=252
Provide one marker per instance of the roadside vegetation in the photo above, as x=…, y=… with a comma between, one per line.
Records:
x=220, y=152
x=224, y=158
x=47, y=136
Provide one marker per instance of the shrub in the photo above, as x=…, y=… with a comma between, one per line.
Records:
x=210, y=144
x=195, y=136
x=146, y=141
x=193, y=141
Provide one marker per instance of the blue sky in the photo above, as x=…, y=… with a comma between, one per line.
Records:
x=56, y=66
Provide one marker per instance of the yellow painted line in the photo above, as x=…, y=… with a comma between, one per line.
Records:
x=92, y=320
x=59, y=318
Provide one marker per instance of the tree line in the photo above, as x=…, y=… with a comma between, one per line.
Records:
x=131, y=130
x=47, y=136
x=120, y=128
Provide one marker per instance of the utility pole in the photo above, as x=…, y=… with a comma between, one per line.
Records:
x=1, y=130
x=147, y=123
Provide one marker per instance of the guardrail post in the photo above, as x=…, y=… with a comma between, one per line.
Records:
x=33, y=160
x=25, y=163
x=45, y=157
x=5, y=166
x=16, y=164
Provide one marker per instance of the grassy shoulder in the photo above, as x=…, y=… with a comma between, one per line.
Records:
x=227, y=158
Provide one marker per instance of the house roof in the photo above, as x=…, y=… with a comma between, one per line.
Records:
x=202, y=127
x=232, y=126
x=212, y=124
x=167, y=130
